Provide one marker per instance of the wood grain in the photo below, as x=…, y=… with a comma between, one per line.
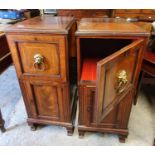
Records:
x=101, y=108
x=46, y=91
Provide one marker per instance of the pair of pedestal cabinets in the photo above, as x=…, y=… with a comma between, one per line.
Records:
x=109, y=57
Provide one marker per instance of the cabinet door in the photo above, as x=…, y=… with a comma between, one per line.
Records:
x=116, y=76
x=39, y=55
x=46, y=100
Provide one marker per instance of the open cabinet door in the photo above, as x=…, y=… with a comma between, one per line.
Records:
x=116, y=75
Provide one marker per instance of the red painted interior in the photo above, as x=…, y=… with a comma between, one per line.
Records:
x=89, y=69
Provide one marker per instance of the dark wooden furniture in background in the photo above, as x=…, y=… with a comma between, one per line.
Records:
x=5, y=55
x=109, y=53
x=30, y=13
x=2, y=123
x=147, y=71
x=40, y=52
x=148, y=56
x=84, y=13
x=5, y=61
x=140, y=14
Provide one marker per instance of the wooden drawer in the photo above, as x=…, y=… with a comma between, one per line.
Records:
x=122, y=15
x=51, y=60
x=147, y=17
x=128, y=11
x=148, y=11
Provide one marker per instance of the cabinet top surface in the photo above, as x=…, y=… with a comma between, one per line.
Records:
x=109, y=26
x=43, y=24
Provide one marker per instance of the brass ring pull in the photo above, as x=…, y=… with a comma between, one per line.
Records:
x=121, y=81
x=39, y=62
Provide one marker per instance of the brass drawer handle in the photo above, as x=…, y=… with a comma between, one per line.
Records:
x=121, y=81
x=39, y=62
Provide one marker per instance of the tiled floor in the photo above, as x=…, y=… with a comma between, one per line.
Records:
x=141, y=124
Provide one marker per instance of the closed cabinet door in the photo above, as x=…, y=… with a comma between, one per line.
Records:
x=39, y=55
x=116, y=76
x=46, y=100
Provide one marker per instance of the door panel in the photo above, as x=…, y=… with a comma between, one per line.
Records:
x=39, y=55
x=47, y=99
x=115, y=78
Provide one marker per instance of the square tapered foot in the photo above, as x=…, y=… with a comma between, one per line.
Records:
x=70, y=131
x=122, y=138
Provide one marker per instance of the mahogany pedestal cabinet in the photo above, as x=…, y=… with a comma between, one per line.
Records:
x=109, y=53
x=41, y=55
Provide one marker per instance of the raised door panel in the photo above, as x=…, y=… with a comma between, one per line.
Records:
x=46, y=100
x=42, y=56
x=116, y=76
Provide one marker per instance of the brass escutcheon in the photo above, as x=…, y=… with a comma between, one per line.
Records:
x=38, y=58
x=121, y=81
x=39, y=62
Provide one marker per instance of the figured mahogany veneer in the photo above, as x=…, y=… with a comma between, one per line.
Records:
x=115, y=47
x=41, y=54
